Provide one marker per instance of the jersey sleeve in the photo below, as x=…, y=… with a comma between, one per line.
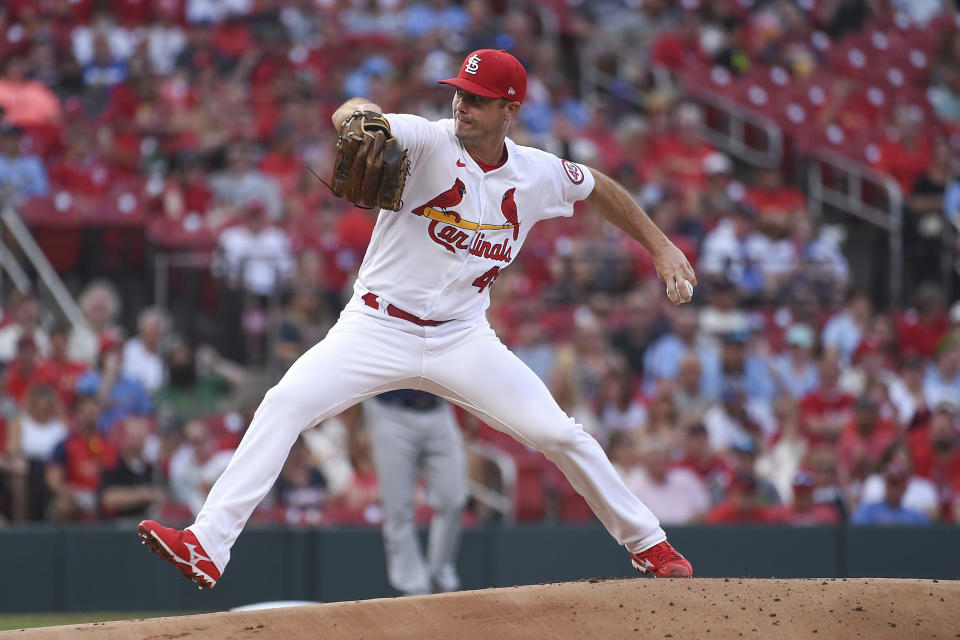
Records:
x=566, y=184
x=417, y=135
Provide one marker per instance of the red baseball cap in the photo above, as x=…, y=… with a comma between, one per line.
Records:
x=491, y=73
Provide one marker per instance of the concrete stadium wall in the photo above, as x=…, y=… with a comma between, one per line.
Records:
x=106, y=569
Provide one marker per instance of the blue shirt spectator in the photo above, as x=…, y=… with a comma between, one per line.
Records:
x=662, y=359
x=796, y=368
x=22, y=176
x=437, y=15
x=126, y=397
x=880, y=513
x=890, y=511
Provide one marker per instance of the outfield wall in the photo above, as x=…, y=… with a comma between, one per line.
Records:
x=106, y=569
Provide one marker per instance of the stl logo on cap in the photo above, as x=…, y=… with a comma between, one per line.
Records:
x=473, y=64
x=491, y=73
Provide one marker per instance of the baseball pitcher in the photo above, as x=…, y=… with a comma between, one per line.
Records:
x=457, y=200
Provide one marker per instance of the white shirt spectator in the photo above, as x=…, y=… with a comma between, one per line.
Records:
x=262, y=259
x=164, y=44
x=142, y=365
x=190, y=481
x=740, y=260
x=680, y=499
x=10, y=334
x=119, y=40
x=216, y=10
x=252, y=186
x=842, y=334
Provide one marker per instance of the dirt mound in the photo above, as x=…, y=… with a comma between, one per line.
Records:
x=637, y=608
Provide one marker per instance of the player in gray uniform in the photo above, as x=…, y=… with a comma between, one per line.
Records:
x=414, y=433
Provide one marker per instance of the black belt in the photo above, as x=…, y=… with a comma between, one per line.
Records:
x=410, y=399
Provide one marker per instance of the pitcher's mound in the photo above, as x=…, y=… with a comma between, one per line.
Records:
x=698, y=608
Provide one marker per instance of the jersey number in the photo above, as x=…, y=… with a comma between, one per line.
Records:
x=484, y=281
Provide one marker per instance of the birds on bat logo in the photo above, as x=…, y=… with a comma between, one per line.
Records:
x=449, y=198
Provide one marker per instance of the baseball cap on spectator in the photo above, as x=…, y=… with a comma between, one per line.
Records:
x=491, y=73
x=955, y=313
x=716, y=163
x=804, y=480
x=744, y=445
x=799, y=335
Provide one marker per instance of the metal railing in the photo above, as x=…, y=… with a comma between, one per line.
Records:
x=845, y=191
x=48, y=275
x=730, y=134
x=501, y=502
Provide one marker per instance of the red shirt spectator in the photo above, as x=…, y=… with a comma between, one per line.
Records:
x=825, y=412
x=61, y=370
x=26, y=370
x=919, y=331
x=742, y=506
x=865, y=439
x=804, y=511
x=774, y=200
x=936, y=454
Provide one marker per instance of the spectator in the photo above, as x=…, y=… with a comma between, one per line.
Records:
x=907, y=393
x=736, y=251
x=675, y=495
x=301, y=488
x=742, y=506
x=785, y=455
x=196, y=465
x=26, y=103
x=360, y=502
x=303, y=324
x=920, y=329
x=796, y=369
x=924, y=223
x=619, y=408
x=142, y=359
x=803, y=511
x=197, y=384
x=907, y=153
x=919, y=494
x=722, y=314
x=778, y=205
x=622, y=451
x=639, y=328
x=255, y=255
x=826, y=411
x=729, y=420
x=662, y=360
x=241, y=184
x=845, y=329
x=103, y=71
x=118, y=395
x=935, y=449
x=698, y=456
x=26, y=314
x=690, y=401
x=22, y=174
x=865, y=440
x=743, y=368
x=941, y=379
x=743, y=454
x=32, y=439
x=73, y=477
x=119, y=42
x=100, y=304
x=808, y=258
x=165, y=40
x=26, y=371
x=127, y=489
x=890, y=510
x=61, y=370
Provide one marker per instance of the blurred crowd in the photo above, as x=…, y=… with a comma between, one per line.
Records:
x=782, y=394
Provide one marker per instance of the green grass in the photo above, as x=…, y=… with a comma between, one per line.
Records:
x=28, y=620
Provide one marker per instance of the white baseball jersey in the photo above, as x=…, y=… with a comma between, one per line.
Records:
x=436, y=259
x=459, y=226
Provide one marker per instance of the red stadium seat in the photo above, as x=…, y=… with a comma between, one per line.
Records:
x=57, y=225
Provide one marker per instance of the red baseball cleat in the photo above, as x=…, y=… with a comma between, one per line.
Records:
x=663, y=561
x=182, y=549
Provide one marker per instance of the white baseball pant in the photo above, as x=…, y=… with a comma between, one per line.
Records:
x=368, y=352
